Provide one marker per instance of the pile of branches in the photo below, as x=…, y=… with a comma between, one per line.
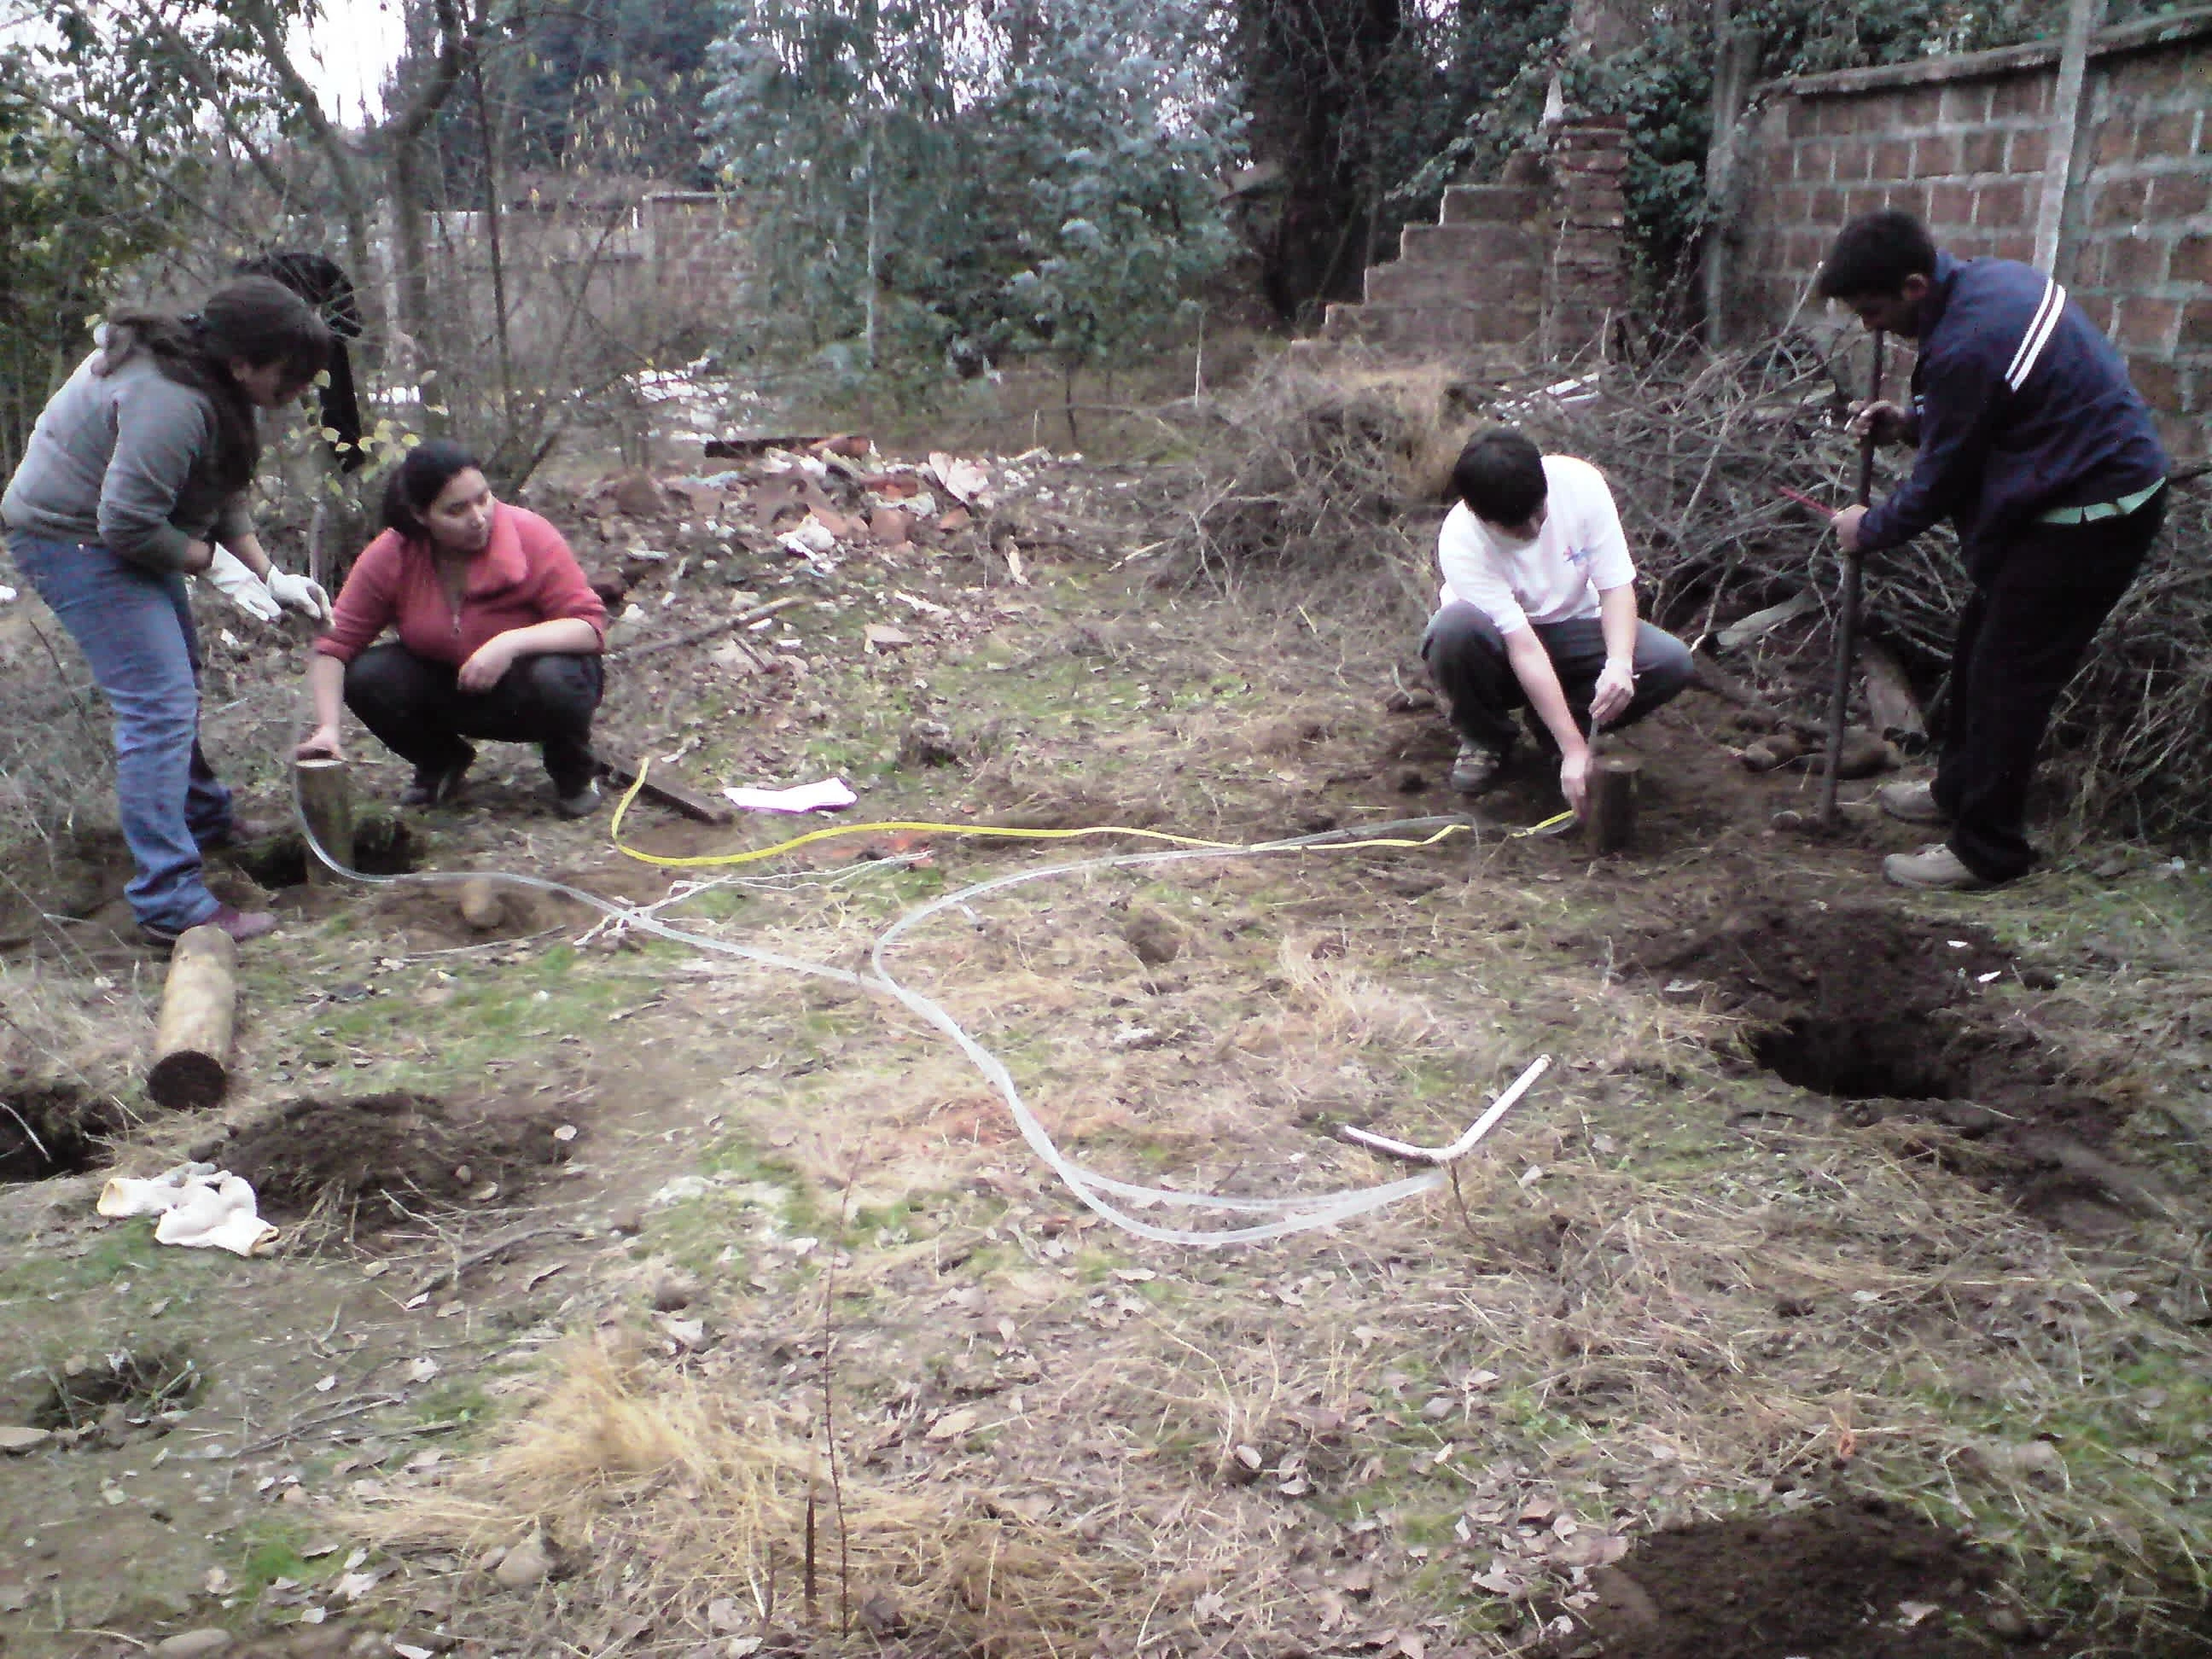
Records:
x=1700, y=449
x=1307, y=473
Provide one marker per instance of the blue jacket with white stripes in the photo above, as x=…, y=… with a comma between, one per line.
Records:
x=2023, y=406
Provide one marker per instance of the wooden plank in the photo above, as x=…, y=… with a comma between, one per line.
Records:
x=674, y=796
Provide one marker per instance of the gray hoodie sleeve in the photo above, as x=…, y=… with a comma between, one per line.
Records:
x=162, y=429
x=233, y=523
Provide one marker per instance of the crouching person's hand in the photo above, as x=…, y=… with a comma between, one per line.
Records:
x=321, y=744
x=1574, y=779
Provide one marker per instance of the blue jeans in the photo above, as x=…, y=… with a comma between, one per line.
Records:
x=135, y=627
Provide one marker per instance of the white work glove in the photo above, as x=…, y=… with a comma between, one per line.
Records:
x=301, y=593
x=242, y=587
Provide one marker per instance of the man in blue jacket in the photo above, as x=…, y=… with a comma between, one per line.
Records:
x=2034, y=445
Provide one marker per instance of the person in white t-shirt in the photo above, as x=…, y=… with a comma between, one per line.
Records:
x=1539, y=611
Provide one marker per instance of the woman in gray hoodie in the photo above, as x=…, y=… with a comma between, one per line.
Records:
x=134, y=476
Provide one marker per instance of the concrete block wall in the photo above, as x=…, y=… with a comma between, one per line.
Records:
x=1964, y=142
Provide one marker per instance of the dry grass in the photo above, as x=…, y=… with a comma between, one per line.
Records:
x=661, y=1496
x=56, y=769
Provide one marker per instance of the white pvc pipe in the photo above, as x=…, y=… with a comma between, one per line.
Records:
x=1292, y=1214
x=1466, y=1143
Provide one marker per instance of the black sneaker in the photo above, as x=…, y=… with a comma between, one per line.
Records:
x=439, y=786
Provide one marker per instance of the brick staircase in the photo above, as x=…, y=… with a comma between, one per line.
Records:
x=1510, y=274
x=1470, y=285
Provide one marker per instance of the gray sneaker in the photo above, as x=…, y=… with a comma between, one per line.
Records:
x=1935, y=868
x=1915, y=803
x=1474, y=770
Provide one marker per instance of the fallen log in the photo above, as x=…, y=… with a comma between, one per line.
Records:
x=192, y=1040
x=743, y=447
x=1890, y=705
x=1708, y=676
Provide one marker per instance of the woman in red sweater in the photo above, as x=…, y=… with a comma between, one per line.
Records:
x=499, y=636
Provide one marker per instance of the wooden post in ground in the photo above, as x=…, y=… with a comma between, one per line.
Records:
x=1609, y=812
x=191, y=1043
x=480, y=903
x=326, y=802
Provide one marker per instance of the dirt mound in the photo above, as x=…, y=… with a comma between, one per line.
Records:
x=54, y=1129
x=1858, y=1582
x=381, y=1158
x=1779, y=961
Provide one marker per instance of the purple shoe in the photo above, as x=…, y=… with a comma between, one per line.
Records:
x=241, y=925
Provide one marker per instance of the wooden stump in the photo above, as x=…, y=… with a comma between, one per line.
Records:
x=191, y=1043
x=480, y=903
x=1609, y=813
x=326, y=802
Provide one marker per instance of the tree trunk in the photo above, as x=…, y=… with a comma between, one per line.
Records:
x=1736, y=56
x=1311, y=73
x=330, y=144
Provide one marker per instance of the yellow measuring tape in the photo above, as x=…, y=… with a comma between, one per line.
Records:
x=719, y=860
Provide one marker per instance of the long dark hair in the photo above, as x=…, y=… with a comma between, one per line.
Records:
x=418, y=480
x=253, y=319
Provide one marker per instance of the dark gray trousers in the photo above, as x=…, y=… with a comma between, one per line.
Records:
x=417, y=708
x=1467, y=661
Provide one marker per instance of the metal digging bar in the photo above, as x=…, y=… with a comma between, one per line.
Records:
x=1847, y=621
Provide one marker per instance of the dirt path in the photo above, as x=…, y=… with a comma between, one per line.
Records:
x=618, y=1272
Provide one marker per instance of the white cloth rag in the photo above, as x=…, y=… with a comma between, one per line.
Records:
x=824, y=797
x=201, y=1208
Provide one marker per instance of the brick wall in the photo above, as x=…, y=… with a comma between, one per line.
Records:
x=695, y=248
x=1962, y=141
x=1586, y=273
x=644, y=269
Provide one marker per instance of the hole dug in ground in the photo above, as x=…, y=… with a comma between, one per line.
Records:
x=373, y=1162
x=382, y=846
x=114, y=1398
x=1902, y=1057
x=1859, y=1580
x=1891, y=1015
x=53, y=1130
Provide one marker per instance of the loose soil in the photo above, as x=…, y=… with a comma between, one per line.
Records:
x=382, y=846
x=1862, y=1581
x=56, y=1130
x=380, y=1160
x=1888, y=1014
